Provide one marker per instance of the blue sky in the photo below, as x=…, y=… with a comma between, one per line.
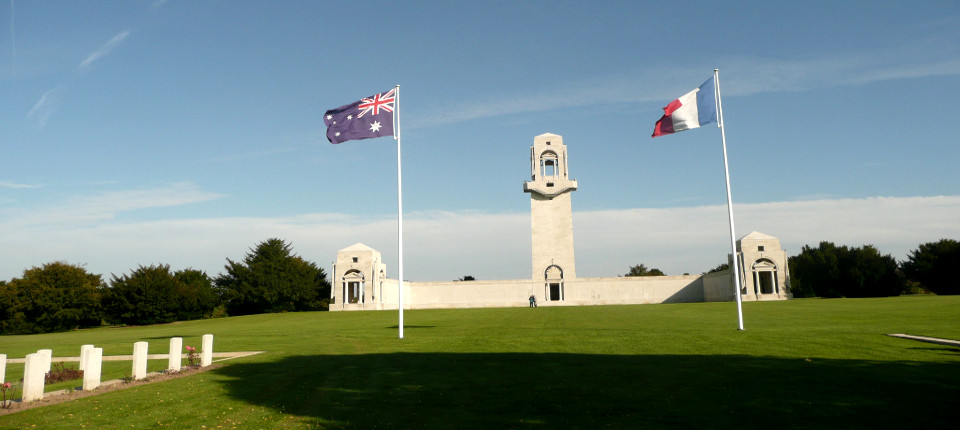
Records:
x=183, y=133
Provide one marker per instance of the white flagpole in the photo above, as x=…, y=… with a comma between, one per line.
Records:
x=396, y=135
x=726, y=172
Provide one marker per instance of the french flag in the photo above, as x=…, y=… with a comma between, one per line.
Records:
x=691, y=110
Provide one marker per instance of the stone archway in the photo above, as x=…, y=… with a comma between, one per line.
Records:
x=765, y=279
x=553, y=283
x=353, y=286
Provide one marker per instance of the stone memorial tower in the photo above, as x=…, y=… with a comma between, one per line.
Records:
x=551, y=216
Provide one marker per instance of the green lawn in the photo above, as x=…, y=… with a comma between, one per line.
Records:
x=799, y=364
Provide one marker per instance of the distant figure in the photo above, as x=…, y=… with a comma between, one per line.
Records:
x=533, y=301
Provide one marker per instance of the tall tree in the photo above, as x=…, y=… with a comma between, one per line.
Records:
x=54, y=297
x=934, y=266
x=838, y=271
x=272, y=279
x=641, y=270
x=197, y=298
x=153, y=295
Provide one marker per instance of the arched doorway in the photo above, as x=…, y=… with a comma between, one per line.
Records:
x=553, y=283
x=353, y=285
x=765, y=279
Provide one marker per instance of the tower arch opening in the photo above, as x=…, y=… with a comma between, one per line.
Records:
x=549, y=166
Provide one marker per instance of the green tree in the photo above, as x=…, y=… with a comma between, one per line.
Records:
x=832, y=271
x=641, y=270
x=54, y=297
x=154, y=295
x=198, y=298
x=272, y=279
x=721, y=267
x=934, y=266
x=145, y=296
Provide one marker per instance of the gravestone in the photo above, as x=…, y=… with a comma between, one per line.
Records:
x=91, y=372
x=84, y=350
x=139, y=360
x=3, y=367
x=206, y=356
x=33, y=371
x=47, y=355
x=176, y=349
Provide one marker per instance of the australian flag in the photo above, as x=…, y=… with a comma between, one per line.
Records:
x=370, y=117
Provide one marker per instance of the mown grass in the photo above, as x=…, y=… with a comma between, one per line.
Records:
x=799, y=364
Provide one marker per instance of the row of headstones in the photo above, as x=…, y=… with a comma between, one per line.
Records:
x=38, y=364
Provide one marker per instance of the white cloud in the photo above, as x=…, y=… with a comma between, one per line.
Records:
x=696, y=239
x=446, y=245
x=7, y=184
x=105, y=49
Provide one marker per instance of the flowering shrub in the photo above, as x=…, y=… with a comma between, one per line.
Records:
x=193, y=359
x=59, y=373
x=9, y=393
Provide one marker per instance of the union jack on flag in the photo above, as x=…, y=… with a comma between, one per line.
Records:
x=375, y=103
x=364, y=119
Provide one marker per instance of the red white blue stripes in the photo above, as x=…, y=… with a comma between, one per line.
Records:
x=691, y=110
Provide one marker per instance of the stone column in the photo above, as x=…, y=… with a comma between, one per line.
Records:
x=91, y=369
x=33, y=370
x=176, y=349
x=3, y=367
x=84, y=350
x=206, y=356
x=139, y=360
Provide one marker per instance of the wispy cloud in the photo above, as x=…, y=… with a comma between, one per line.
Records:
x=445, y=245
x=255, y=154
x=7, y=184
x=741, y=76
x=44, y=108
x=48, y=104
x=105, y=206
x=104, y=50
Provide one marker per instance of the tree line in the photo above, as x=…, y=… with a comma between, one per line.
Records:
x=59, y=296
x=840, y=271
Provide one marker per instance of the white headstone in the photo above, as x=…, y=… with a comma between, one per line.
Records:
x=47, y=355
x=176, y=351
x=91, y=369
x=206, y=356
x=3, y=367
x=84, y=350
x=139, y=360
x=33, y=371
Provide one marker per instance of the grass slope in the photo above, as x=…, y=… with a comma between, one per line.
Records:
x=799, y=364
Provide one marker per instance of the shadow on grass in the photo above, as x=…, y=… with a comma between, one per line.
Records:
x=518, y=390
